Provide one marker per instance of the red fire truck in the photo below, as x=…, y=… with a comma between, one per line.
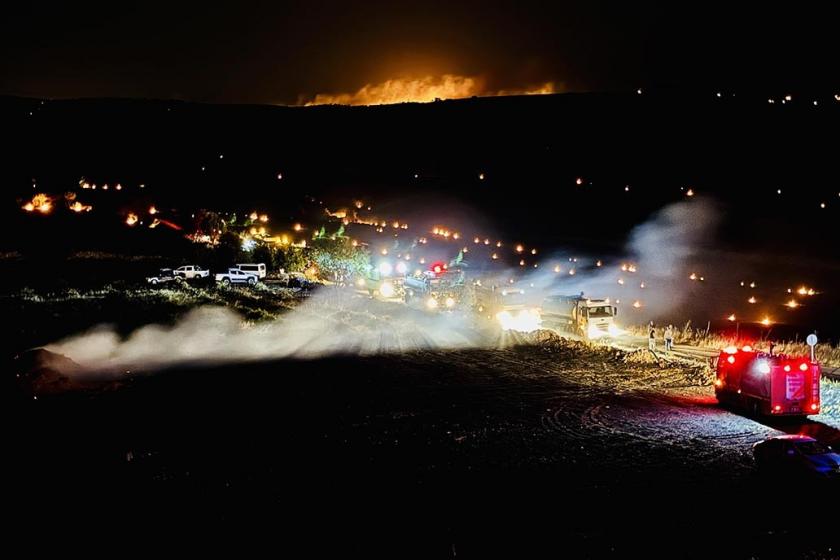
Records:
x=767, y=384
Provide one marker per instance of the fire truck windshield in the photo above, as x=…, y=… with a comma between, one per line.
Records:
x=603, y=311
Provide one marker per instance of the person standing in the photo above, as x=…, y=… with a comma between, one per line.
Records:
x=651, y=337
x=669, y=338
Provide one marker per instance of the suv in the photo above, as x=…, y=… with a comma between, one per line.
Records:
x=797, y=455
x=164, y=276
x=253, y=268
x=236, y=276
x=189, y=272
x=299, y=280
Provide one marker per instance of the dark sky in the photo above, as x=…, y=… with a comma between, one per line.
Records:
x=274, y=52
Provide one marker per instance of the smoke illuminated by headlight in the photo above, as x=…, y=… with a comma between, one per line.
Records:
x=524, y=320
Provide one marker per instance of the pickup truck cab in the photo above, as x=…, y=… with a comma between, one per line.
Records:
x=236, y=276
x=190, y=271
x=163, y=276
x=253, y=268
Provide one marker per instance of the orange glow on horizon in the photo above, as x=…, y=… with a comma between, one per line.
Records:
x=420, y=90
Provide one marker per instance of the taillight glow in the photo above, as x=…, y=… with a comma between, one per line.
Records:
x=777, y=408
x=763, y=367
x=814, y=406
x=787, y=367
x=731, y=359
x=803, y=367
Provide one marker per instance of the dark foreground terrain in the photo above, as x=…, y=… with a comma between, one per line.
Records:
x=551, y=448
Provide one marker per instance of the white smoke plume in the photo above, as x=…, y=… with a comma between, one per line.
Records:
x=329, y=323
x=662, y=252
x=333, y=323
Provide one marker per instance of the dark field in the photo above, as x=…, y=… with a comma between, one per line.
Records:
x=551, y=447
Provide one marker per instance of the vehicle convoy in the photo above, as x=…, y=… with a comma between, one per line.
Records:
x=590, y=318
x=189, y=272
x=438, y=288
x=236, y=276
x=797, y=455
x=766, y=384
x=511, y=307
x=163, y=276
x=253, y=268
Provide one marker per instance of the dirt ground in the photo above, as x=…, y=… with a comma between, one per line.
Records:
x=539, y=447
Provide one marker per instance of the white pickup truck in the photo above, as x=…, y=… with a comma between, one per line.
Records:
x=236, y=276
x=189, y=272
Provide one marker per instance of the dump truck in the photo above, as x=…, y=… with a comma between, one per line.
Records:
x=581, y=315
x=767, y=384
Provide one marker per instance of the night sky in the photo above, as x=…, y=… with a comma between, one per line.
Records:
x=276, y=52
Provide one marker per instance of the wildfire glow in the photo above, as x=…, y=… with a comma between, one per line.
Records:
x=419, y=90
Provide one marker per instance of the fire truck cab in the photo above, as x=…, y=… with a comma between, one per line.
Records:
x=767, y=384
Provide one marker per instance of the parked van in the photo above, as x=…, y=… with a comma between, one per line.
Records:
x=253, y=268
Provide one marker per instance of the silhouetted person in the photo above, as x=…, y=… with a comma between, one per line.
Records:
x=651, y=337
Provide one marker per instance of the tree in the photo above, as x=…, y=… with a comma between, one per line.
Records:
x=264, y=253
x=338, y=258
x=295, y=259
x=229, y=250
x=209, y=223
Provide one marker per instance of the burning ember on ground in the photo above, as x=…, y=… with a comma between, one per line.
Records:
x=39, y=203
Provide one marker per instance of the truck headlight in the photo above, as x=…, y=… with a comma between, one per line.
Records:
x=450, y=302
x=386, y=289
x=431, y=303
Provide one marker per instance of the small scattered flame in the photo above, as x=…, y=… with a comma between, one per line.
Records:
x=39, y=203
x=131, y=219
x=79, y=207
